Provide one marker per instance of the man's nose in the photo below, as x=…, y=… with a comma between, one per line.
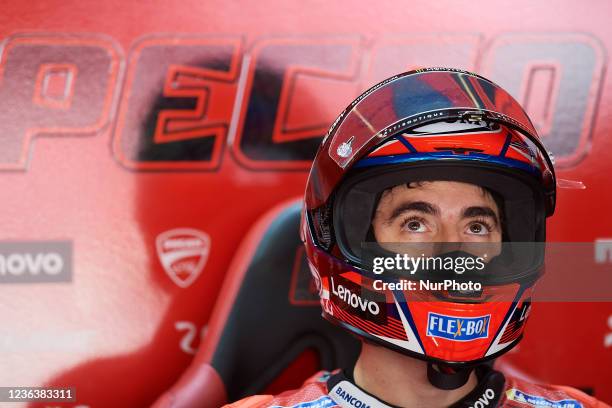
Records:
x=449, y=239
x=449, y=233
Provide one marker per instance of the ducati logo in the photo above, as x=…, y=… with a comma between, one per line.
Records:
x=183, y=253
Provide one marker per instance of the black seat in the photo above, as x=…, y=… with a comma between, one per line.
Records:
x=266, y=315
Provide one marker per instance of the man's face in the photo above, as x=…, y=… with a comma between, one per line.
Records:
x=437, y=211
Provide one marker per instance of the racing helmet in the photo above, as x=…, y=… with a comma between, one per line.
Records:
x=432, y=124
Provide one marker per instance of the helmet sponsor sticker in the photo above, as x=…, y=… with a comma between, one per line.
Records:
x=457, y=328
x=183, y=253
x=357, y=300
x=537, y=401
x=345, y=149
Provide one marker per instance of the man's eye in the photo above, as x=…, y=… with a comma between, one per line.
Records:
x=479, y=228
x=414, y=226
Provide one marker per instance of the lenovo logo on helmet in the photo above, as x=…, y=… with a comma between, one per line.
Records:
x=353, y=300
x=365, y=304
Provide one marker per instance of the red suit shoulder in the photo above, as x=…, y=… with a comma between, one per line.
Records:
x=312, y=394
x=520, y=393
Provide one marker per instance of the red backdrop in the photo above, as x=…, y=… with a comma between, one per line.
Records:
x=121, y=121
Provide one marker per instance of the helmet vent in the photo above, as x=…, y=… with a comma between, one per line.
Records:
x=322, y=226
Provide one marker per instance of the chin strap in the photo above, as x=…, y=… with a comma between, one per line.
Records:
x=447, y=378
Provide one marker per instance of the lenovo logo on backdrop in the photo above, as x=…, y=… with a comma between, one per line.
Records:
x=35, y=262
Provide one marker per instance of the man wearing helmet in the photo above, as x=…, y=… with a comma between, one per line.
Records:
x=440, y=167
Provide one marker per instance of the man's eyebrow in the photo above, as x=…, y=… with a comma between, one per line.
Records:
x=478, y=211
x=420, y=206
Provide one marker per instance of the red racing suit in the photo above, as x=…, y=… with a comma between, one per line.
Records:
x=329, y=390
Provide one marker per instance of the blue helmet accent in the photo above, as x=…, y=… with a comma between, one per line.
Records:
x=447, y=155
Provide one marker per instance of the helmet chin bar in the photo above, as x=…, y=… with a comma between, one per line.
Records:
x=440, y=375
x=456, y=366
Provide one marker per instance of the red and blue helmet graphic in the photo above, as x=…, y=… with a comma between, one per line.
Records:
x=428, y=124
x=416, y=323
